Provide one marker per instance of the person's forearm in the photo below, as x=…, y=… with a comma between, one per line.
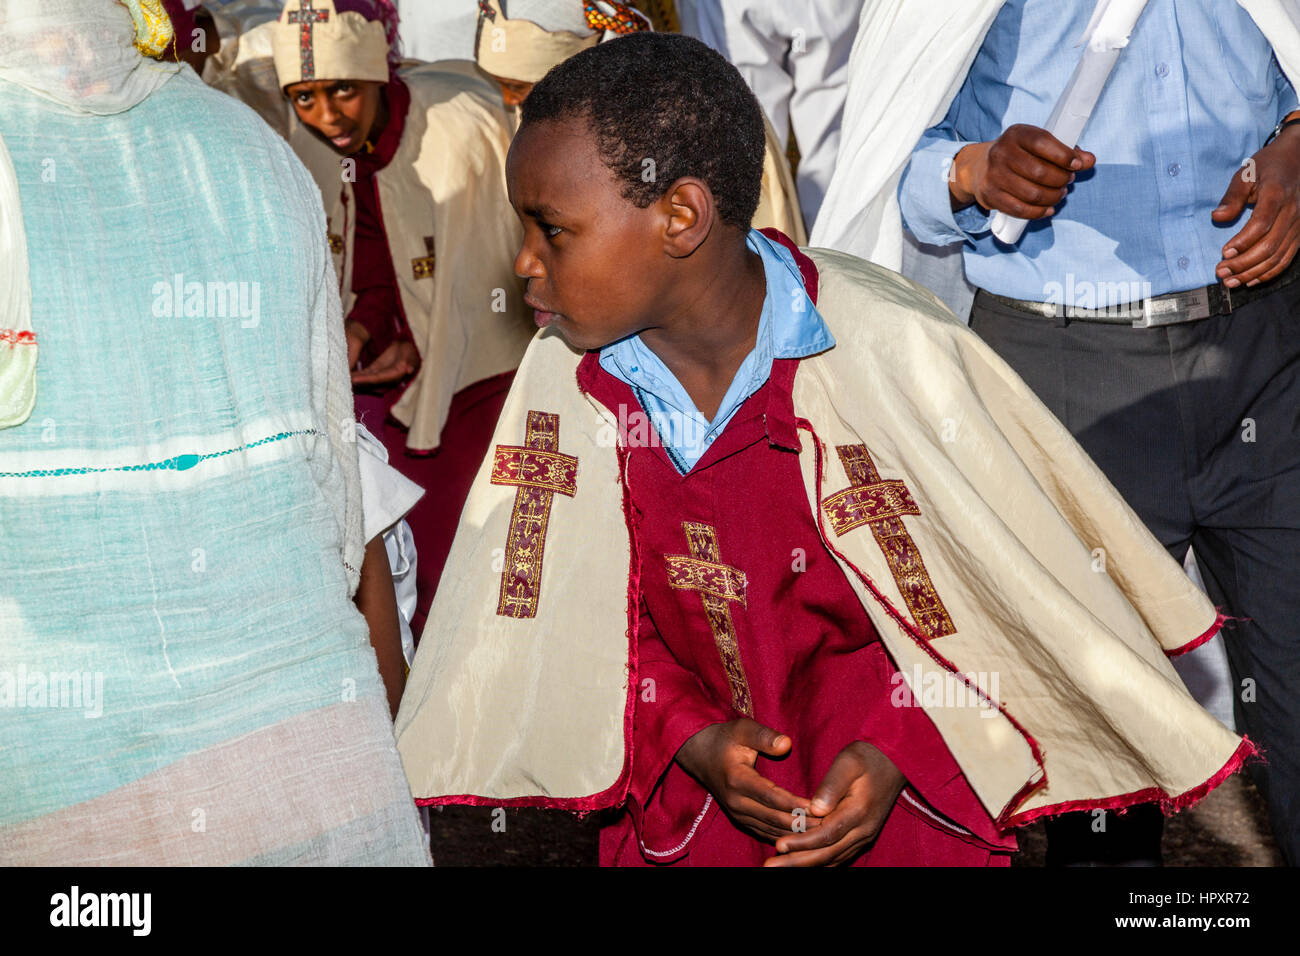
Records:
x=377, y=602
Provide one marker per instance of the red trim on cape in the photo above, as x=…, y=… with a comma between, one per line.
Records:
x=807, y=268
x=1125, y=801
x=580, y=805
x=1214, y=629
x=633, y=604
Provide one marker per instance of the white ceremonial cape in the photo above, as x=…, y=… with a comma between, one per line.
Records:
x=909, y=61
x=453, y=237
x=1054, y=587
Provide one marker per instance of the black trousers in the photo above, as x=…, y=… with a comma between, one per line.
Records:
x=1197, y=425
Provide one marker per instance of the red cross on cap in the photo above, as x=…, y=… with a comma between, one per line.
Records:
x=307, y=16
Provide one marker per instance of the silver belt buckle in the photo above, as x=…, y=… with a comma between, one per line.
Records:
x=1171, y=310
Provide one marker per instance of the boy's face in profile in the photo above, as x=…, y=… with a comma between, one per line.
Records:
x=594, y=261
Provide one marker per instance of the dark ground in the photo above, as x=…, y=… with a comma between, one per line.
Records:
x=1227, y=828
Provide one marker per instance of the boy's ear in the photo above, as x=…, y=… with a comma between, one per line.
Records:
x=690, y=211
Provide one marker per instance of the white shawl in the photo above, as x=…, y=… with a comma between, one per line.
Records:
x=81, y=55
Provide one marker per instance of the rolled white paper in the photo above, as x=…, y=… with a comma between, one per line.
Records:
x=1107, y=33
x=1112, y=24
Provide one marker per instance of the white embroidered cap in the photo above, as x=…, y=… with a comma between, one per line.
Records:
x=540, y=34
x=313, y=41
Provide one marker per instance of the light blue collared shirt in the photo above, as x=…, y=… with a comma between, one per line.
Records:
x=789, y=328
x=1194, y=94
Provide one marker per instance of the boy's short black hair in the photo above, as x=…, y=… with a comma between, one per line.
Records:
x=667, y=98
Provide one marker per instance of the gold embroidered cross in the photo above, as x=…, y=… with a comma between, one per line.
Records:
x=423, y=266
x=880, y=504
x=718, y=584
x=538, y=470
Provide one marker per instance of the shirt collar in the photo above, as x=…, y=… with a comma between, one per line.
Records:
x=797, y=329
x=790, y=327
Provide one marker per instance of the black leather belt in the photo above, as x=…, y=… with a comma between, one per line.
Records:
x=1172, y=309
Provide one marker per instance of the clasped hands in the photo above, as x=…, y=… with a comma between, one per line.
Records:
x=841, y=820
x=1026, y=172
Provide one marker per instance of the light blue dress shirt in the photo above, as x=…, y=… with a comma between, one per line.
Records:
x=1195, y=93
x=789, y=327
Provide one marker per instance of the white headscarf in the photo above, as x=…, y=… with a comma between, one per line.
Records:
x=87, y=56
x=82, y=54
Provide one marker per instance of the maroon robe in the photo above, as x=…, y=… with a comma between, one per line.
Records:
x=446, y=473
x=807, y=661
x=378, y=307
